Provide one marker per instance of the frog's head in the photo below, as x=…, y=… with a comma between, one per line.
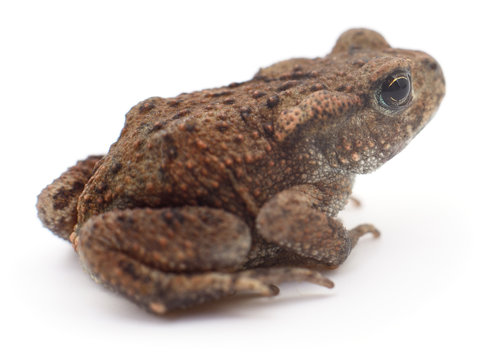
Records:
x=400, y=90
x=376, y=99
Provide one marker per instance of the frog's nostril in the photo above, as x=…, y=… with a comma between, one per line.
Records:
x=431, y=64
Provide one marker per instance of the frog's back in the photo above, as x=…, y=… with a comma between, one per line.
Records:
x=203, y=147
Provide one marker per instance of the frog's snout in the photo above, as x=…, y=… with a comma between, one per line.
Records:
x=434, y=78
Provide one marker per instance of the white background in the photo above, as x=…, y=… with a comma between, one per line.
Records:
x=71, y=70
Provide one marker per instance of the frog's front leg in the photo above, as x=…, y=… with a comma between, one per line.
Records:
x=165, y=259
x=293, y=220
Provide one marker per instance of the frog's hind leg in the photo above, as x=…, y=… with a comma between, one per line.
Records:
x=57, y=203
x=171, y=258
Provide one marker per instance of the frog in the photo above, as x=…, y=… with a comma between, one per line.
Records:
x=234, y=190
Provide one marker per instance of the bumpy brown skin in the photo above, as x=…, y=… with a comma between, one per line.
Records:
x=234, y=189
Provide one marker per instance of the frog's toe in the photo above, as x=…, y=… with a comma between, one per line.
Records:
x=355, y=201
x=287, y=274
x=357, y=232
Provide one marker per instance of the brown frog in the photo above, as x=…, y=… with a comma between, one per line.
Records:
x=235, y=189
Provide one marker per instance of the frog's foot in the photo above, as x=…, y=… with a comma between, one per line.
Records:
x=180, y=291
x=165, y=259
x=57, y=203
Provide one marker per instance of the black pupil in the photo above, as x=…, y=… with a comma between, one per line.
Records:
x=395, y=89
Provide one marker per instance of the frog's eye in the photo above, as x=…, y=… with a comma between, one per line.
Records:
x=395, y=91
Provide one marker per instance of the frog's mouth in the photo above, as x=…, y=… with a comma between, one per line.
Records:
x=396, y=149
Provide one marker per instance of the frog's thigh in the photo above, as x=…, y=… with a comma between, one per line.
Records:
x=164, y=259
x=57, y=203
x=290, y=221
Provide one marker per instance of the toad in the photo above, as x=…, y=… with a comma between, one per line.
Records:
x=236, y=189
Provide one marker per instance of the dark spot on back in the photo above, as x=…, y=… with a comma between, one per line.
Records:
x=101, y=188
x=234, y=84
x=169, y=147
x=77, y=186
x=145, y=127
x=295, y=75
x=257, y=94
x=317, y=87
x=146, y=107
x=245, y=113
x=238, y=139
x=220, y=93
x=222, y=126
x=174, y=102
x=268, y=128
x=157, y=126
x=272, y=101
x=163, y=175
x=287, y=85
x=190, y=127
x=180, y=114
x=115, y=167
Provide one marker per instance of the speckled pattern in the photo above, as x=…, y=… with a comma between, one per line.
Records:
x=235, y=189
